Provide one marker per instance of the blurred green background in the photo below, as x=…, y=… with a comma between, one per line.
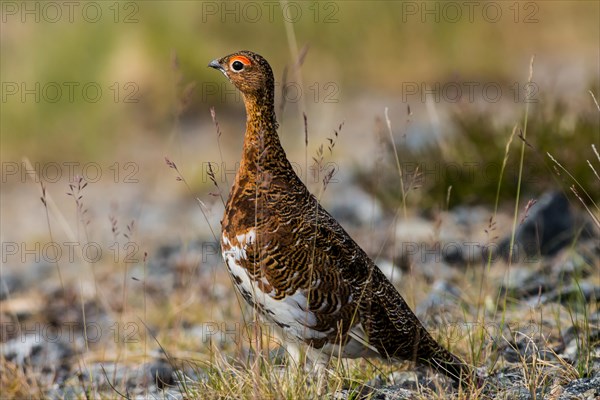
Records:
x=149, y=61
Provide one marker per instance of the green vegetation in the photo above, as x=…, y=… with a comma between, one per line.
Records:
x=469, y=161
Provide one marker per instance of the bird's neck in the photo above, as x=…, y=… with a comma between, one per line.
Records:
x=262, y=148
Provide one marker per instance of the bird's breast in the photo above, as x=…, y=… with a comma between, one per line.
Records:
x=289, y=311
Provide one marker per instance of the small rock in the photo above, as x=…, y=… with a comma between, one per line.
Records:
x=49, y=359
x=9, y=283
x=454, y=254
x=429, y=263
x=405, y=380
x=584, y=389
x=12, y=282
x=162, y=374
x=549, y=226
x=469, y=216
x=442, y=296
x=413, y=231
x=351, y=205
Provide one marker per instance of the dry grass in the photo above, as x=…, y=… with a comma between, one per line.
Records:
x=15, y=383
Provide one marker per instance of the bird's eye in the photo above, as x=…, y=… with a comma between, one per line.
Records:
x=237, y=66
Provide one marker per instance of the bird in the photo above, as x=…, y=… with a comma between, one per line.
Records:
x=295, y=264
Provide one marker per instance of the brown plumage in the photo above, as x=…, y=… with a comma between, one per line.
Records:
x=292, y=260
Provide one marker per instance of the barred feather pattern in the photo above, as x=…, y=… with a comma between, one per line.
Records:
x=293, y=262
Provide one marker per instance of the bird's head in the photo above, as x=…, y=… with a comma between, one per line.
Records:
x=248, y=71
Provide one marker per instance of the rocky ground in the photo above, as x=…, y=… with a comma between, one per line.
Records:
x=150, y=324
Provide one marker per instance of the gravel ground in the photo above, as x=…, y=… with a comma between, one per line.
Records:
x=552, y=311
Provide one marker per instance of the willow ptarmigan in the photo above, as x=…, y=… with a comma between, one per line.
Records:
x=294, y=263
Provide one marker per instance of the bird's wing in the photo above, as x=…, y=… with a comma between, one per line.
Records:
x=388, y=323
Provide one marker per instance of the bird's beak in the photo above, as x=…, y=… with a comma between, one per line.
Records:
x=215, y=64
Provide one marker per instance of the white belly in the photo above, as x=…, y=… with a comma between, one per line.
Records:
x=290, y=313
